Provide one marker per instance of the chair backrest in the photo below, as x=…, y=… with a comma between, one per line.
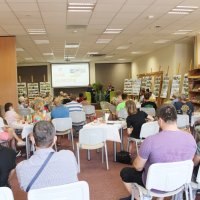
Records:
x=88, y=96
x=6, y=193
x=112, y=108
x=183, y=121
x=78, y=117
x=104, y=105
x=122, y=114
x=91, y=136
x=62, y=124
x=73, y=191
x=24, y=111
x=149, y=128
x=89, y=109
x=149, y=111
x=171, y=175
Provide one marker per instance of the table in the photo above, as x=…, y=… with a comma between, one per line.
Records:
x=113, y=131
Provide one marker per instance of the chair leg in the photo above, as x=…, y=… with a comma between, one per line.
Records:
x=78, y=157
x=72, y=138
x=106, y=154
x=102, y=155
x=186, y=193
x=128, y=144
x=190, y=192
x=88, y=155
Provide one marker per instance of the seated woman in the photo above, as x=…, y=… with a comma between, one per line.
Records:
x=13, y=119
x=8, y=134
x=135, y=120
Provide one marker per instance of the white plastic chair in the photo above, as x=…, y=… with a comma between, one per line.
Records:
x=78, y=118
x=147, y=129
x=169, y=177
x=183, y=121
x=149, y=111
x=196, y=185
x=6, y=193
x=122, y=114
x=92, y=139
x=63, y=126
x=72, y=191
x=104, y=106
x=89, y=111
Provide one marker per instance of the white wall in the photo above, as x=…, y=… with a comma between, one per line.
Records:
x=171, y=56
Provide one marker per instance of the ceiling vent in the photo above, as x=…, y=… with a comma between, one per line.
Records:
x=97, y=54
x=76, y=27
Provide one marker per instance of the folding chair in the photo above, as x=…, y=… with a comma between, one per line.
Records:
x=6, y=193
x=149, y=128
x=122, y=114
x=89, y=111
x=183, y=121
x=63, y=126
x=92, y=139
x=173, y=178
x=72, y=191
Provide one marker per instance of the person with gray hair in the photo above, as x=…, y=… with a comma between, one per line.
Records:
x=46, y=167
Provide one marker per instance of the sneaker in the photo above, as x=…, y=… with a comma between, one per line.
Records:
x=21, y=143
x=18, y=153
x=126, y=198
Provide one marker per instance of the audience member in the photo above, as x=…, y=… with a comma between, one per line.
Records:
x=22, y=103
x=60, y=169
x=85, y=102
x=80, y=98
x=183, y=106
x=147, y=103
x=169, y=145
x=142, y=92
x=7, y=134
x=66, y=99
x=135, y=120
x=7, y=165
x=74, y=105
x=12, y=118
x=117, y=99
x=59, y=111
x=123, y=103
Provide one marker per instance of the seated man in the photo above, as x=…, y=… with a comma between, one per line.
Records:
x=147, y=103
x=122, y=105
x=74, y=105
x=7, y=164
x=60, y=169
x=169, y=145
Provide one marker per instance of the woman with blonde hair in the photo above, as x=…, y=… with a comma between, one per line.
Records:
x=135, y=120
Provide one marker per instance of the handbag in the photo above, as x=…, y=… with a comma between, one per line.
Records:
x=123, y=157
x=39, y=171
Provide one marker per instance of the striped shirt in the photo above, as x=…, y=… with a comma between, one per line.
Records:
x=74, y=106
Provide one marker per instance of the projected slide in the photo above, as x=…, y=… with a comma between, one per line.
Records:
x=70, y=75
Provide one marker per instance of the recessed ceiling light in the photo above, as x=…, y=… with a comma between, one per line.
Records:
x=123, y=47
x=28, y=58
x=103, y=41
x=48, y=54
x=113, y=30
x=41, y=41
x=192, y=7
x=69, y=57
x=136, y=52
x=80, y=7
x=178, y=13
x=161, y=41
x=19, y=49
x=121, y=59
x=180, y=33
x=182, y=30
x=182, y=10
x=92, y=52
x=72, y=45
x=38, y=31
x=150, y=17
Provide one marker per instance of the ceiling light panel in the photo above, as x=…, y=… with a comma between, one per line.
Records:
x=161, y=41
x=113, y=31
x=72, y=45
x=48, y=54
x=80, y=7
x=41, y=41
x=123, y=47
x=103, y=41
x=183, y=10
x=39, y=31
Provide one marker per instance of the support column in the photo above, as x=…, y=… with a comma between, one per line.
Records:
x=8, y=71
